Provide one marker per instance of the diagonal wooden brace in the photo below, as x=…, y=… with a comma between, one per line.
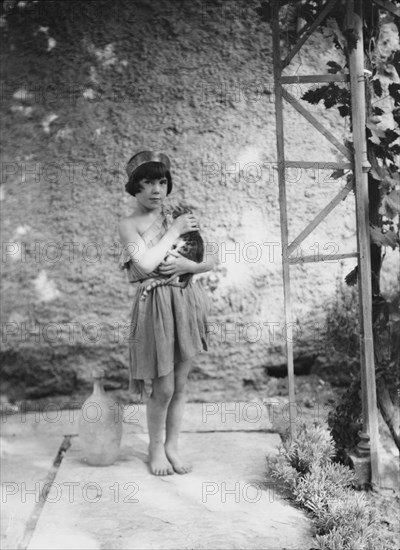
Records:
x=317, y=125
x=319, y=217
x=322, y=258
x=306, y=35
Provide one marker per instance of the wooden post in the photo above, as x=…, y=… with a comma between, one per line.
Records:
x=283, y=210
x=361, y=167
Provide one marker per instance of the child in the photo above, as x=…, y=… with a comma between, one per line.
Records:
x=168, y=328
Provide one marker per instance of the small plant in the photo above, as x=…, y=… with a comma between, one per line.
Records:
x=323, y=485
x=341, y=342
x=343, y=518
x=349, y=523
x=345, y=421
x=310, y=447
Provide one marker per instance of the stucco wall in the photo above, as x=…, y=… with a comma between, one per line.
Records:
x=105, y=80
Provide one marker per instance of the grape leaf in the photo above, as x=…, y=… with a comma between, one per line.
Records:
x=344, y=110
x=391, y=204
x=352, y=277
x=395, y=149
x=394, y=91
x=390, y=136
x=334, y=67
x=330, y=101
x=395, y=176
x=383, y=239
x=315, y=96
x=377, y=172
x=376, y=84
x=376, y=133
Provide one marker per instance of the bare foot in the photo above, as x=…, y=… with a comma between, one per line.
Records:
x=159, y=464
x=178, y=465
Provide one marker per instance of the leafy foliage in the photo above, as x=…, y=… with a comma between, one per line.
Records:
x=343, y=518
x=382, y=77
x=347, y=524
x=382, y=55
x=331, y=95
x=345, y=419
x=387, y=238
x=334, y=67
x=322, y=485
x=383, y=132
x=312, y=446
x=342, y=323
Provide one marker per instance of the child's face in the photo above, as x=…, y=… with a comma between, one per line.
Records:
x=153, y=192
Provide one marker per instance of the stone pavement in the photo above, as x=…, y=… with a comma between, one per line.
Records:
x=225, y=503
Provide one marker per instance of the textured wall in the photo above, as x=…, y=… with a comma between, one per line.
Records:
x=87, y=84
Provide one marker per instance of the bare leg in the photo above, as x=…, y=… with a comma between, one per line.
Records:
x=174, y=418
x=157, y=406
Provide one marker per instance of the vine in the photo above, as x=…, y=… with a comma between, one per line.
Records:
x=382, y=75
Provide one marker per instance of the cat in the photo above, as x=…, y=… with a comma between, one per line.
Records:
x=190, y=245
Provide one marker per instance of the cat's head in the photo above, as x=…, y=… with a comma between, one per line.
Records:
x=190, y=245
x=179, y=245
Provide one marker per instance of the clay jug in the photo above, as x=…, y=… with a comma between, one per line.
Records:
x=100, y=425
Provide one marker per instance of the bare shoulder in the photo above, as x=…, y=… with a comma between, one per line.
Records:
x=127, y=227
x=128, y=223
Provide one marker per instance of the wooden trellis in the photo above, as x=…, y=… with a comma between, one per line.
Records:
x=358, y=163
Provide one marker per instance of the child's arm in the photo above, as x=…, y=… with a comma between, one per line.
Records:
x=211, y=258
x=210, y=261
x=148, y=259
x=176, y=264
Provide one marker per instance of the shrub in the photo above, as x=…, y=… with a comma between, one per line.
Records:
x=345, y=421
x=342, y=324
x=343, y=518
x=338, y=540
x=322, y=485
x=351, y=513
x=286, y=473
x=311, y=446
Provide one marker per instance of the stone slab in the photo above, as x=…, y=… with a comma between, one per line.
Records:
x=223, y=503
x=25, y=464
x=29, y=444
x=213, y=416
x=210, y=416
x=226, y=502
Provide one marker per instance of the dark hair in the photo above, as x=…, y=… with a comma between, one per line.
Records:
x=150, y=171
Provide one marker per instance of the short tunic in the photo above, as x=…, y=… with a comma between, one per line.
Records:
x=169, y=326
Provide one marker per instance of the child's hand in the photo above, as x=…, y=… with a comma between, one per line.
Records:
x=176, y=265
x=185, y=224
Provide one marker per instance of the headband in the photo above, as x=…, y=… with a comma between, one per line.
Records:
x=146, y=156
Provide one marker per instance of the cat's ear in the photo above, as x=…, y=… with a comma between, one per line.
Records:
x=188, y=209
x=178, y=211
